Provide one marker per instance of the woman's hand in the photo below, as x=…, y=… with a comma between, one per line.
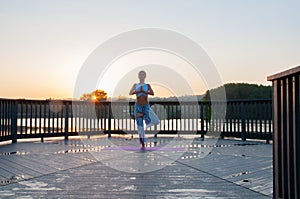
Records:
x=142, y=90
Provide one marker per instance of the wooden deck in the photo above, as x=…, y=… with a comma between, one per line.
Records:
x=85, y=169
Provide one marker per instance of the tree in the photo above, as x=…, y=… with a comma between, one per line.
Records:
x=97, y=95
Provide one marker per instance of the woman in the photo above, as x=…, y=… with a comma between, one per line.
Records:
x=141, y=107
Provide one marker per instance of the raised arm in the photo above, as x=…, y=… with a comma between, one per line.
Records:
x=150, y=91
x=132, y=90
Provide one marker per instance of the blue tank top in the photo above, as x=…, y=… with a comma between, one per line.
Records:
x=138, y=88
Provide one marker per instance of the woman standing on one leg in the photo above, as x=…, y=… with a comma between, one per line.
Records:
x=141, y=107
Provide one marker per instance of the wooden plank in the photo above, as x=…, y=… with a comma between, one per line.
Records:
x=39, y=167
x=16, y=168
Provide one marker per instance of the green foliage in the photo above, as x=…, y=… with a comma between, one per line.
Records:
x=238, y=91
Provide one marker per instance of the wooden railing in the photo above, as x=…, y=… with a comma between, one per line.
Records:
x=245, y=119
x=286, y=143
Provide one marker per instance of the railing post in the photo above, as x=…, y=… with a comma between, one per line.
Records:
x=66, y=121
x=243, y=121
x=109, y=119
x=202, y=120
x=14, y=119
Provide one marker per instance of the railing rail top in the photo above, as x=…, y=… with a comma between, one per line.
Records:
x=132, y=102
x=284, y=73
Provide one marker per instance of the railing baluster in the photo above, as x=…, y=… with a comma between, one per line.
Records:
x=6, y=132
x=3, y=137
x=66, y=120
x=76, y=116
x=35, y=118
x=14, y=122
x=41, y=120
x=202, y=120
x=49, y=117
x=44, y=116
x=109, y=120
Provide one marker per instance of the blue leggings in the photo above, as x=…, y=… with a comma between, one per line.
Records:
x=139, y=120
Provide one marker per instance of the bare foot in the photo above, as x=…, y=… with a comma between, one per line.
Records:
x=142, y=143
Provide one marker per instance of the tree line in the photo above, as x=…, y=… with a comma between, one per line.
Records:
x=234, y=91
x=240, y=91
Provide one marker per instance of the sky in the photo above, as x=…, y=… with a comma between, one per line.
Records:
x=44, y=44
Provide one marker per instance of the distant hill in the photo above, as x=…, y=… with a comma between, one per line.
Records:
x=237, y=91
x=180, y=98
x=166, y=99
